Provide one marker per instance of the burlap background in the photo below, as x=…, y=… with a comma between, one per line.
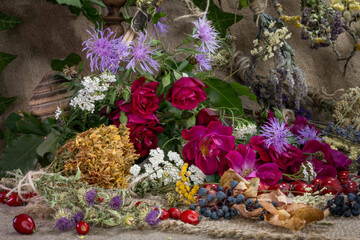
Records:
x=50, y=31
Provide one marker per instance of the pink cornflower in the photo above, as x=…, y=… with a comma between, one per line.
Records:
x=276, y=135
x=207, y=34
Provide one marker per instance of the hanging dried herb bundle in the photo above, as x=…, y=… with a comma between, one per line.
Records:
x=104, y=156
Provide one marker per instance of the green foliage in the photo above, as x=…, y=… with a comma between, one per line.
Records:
x=243, y=90
x=7, y=22
x=156, y=17
x=5, y=59
x=85, y=7
x=21, y=153
x=49, y=145
x=72, y=59
x=223, y=96
x=221, y=20
x=244, y=3
x=5, y=102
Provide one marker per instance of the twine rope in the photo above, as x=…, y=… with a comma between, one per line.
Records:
x=241, y=63
x=258, y=7
x=194, y=11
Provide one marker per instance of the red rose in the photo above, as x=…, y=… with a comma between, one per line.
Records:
x=144, y=138
x=186, y=93
x=144, y=100
x=205, y=116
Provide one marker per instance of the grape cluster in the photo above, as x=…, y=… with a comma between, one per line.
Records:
x=216, y=202
x=341, y=207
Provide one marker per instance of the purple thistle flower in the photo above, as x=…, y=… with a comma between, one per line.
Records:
x=142, y=54
x=105, y=51
x=64, y=224
x=207, y=34
x=90, y=197
x=204, y=62
x=276, y=134
x=152, y=218
x=79, y=216
x=306, y=134
x=161, y=28
x=115, y=202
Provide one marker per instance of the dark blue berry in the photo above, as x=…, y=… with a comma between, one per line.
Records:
x=192, y=206
x=241, y=198
x=210, y=197
x=220, y=195
x=355, y=212
x=220, y=188
x=262, y=217
x=202, y=191
x=225, y=208
x=207, y=213
x=339, y=201
x=257, y=205
x=347, y=213
x=202, y=210
x=330, y=203
x=214, y=216
x=231, y=199
x=356, y=205
x=227, y=215
x=234, y=212
x=351, y=197
x=220, y=213
x=234, y=183
x=202, y=202
x=249, y=202
x=274, y=203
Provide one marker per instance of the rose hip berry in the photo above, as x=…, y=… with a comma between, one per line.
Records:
x=24, y=224
x=350, y=187
x=3, y=197
x=343, y=176
x=190, y=216
x=164, y=214
x=300, y=188
x=14, y=200
x=174, y=213
x=331, y=184
x=283, y=187
x=82, y=228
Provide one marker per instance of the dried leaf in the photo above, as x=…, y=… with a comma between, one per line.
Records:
x=248, y=188
x=310, y=214
x=242, y=210
x=229, y=176
x=276, y=196
x=293, y=223
x=283, y=214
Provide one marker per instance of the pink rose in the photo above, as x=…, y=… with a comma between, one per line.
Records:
x=186, y=93
x=269, y=173
x=144, y=138
x=144, y=100
x=205, y=116
x=242, y=159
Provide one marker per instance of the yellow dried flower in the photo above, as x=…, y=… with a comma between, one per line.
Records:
x=104, y=156
x=183, y=188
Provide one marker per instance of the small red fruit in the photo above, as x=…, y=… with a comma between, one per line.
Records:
x=350, y=187
x=82, y=228
x=190, y=216
x=284, y=187
x=137, y=203
x=262, y=188
x=317, y=181
x=3, y=197
x=300, y=188
x=331, y=184
x=14, y=200
x=343, y=176
x=24, y=224
x=29, y=195
x=210, y=186
x=164, y=214
x=174, y=213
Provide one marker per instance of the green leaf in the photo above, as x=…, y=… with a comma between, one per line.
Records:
x=155, y=19
x=31, y=125
x=49, y=144
x=59, y=64
x=5, y=59
x=5, y=102
x=74, y=3
x=81, y=67
x=243, y=90
x=98, y=2
x=166, y=80
x=221, y=20
x=7, y=22
x=222, y=95
x=182, y=65
x=11, y=120
x=244, y=4
x=9, y=136
x=92, y=14
x=21, y=153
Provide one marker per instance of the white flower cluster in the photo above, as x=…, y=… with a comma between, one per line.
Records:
x=58, y=112
x=94, y=90
x=168, y=170
x=308, y=173
x=273, y=41
x=241, y=130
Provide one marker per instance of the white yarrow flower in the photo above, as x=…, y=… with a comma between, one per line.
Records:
x=58, y=112
x=135, y=170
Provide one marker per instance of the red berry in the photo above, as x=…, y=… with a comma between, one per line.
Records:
x=174, y=213
x=82, y=228
x=350, y=187
x=284, y=187
x=164, y=214
x=24, y=224
x=210, y=186
x=3, y=197
x=317, y=181
x=14, y=200
x=332, y=186
x=300, y=188
x=343, y=176
x=29, y=195
x=190, y=216
x=262, y=188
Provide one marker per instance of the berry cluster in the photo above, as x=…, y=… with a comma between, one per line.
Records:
x=349, y=133
x=339, y=207
x=216, y=202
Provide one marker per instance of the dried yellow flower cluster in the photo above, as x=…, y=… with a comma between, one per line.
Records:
x=293, y=20
x=104, y=156
x=183, y=188
x=346, y=5
x=347, y=109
